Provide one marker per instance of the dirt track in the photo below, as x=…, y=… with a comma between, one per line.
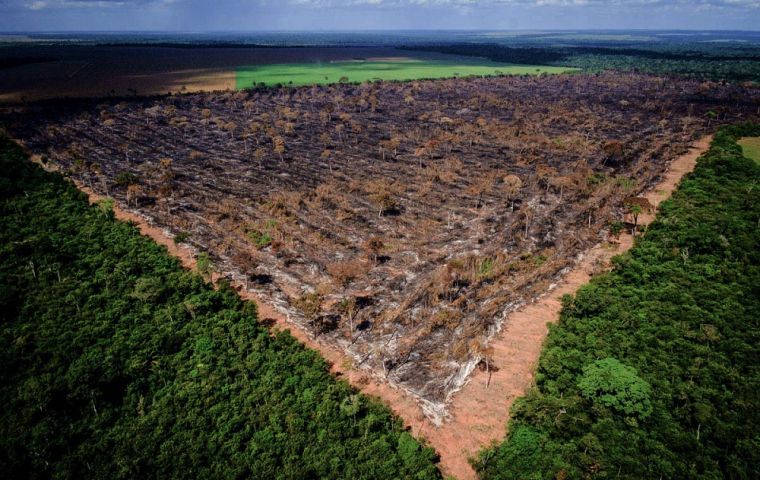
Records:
x=515, y=178
x=479, y=411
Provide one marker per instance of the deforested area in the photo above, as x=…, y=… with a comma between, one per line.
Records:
x=652, y=371
x=118, y=363
x=401, y=221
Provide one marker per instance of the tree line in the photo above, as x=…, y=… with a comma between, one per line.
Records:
x=703, y=62
x=652, y=371
x=117, y=363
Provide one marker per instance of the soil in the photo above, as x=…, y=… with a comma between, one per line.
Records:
x=82, y=71
x=93, y=71
x=399, y=222
x=479, y=411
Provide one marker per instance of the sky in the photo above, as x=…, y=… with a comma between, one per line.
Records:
x=353, y=15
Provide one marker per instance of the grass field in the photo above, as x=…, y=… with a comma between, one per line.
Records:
x=751, y=147
x=297, y=74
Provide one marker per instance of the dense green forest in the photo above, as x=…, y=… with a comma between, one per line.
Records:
x=654, y=368
x=117, y=363
x=704, y=62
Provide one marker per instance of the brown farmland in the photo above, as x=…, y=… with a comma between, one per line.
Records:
x=402, y=222
x=86, y=71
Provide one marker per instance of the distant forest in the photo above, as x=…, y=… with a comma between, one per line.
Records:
x=707, y=62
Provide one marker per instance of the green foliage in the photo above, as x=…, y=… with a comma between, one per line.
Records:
x=611, y=384
x=181, y=237
x=106, y=206
x=260, y=239
x=751, y=148
x=125, y=179
x=625, y=183
x=596, y=178
x=203, y=264
x=616, y=228
x=117, y=363
x=698, y=59
x=652, y=370
x=538, y=260
x=485, y=269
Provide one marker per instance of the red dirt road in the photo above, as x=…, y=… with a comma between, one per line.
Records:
x=478, y=415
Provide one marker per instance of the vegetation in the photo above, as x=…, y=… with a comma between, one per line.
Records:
x=361, y=70
x=751, y=147
x=701, y=61
x=442, y=204
x=652, y=371
x=117, y=363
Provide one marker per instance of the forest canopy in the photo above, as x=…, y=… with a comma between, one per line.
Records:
x=704, y=62
x=117, y=363
x=652, y=371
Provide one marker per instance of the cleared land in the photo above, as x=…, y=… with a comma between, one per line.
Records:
x=400, y=222
x=402, y=68
x=751, y=147
x=36, y=72
x=652, y=369
x=118, y=363
x=479, y=411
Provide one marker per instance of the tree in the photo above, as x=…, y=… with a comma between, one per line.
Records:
x=393, y=144
x=420, y=152
x=373, y=247
x=561, y=182
x=203, y=264
x=635, y=211
x=324, y=117
x=382, y=146
x=481, y=187
x=610, y=384
x=485, y=353
x=310, y=305
x=231, y=127
x=339, y=129
x=133, y=193
x=512, y=186
x=528, y=213
x=259, y=154
x=636, y=206
x=278, y=146
x=544, y=174
x=349, y=306
x=326, y=156
x=326, y=139
x=613, y=150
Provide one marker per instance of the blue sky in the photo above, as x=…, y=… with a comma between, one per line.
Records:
x=250, y=15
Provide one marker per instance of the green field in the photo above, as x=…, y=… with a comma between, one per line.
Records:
x=298, y=74
x=751, y=147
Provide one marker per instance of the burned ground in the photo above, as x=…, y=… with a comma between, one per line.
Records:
x=402, y=221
